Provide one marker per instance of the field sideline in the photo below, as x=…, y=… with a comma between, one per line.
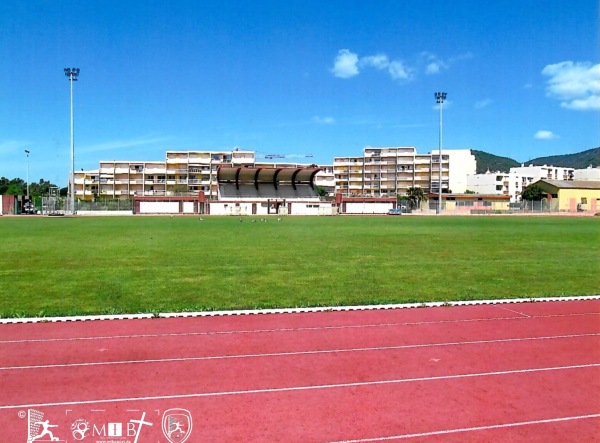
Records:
x=113, y=265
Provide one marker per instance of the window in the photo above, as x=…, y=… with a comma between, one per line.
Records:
x=584, y=200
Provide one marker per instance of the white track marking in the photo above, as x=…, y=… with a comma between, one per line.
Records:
x=293, y=353
x=299, y=310
x=514, y=312
x=305, y=388
x=279, y=330
x=472, y=429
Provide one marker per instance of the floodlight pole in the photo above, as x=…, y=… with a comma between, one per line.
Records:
x=439, y=99
x=27, y=154
x=72, y=74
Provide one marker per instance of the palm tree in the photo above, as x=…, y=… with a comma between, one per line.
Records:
x=416, y=196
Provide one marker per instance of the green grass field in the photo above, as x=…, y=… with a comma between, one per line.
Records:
x=110, y=265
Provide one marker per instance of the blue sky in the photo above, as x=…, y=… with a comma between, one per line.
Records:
x=325, y=78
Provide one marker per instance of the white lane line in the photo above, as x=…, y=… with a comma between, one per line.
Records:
x=292, y=353
x=305, y=388
x=515, y=312
x=471, y=429
x=278, y=330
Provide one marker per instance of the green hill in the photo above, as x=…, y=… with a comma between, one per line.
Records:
x=486, y=161
x=579, y=160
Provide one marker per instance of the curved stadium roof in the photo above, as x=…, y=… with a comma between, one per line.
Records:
x=258, y=175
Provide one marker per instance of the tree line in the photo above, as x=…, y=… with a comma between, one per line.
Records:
x=18, y=186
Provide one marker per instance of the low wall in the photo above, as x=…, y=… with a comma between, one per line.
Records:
x=103, y=213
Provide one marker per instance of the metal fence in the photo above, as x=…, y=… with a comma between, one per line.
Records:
x=60, y=205
x=535, y=206
x=490, y=207
x=105, y=205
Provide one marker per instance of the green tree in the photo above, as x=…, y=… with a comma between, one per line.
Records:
x=40, y=189
x=4, y=182
x=415, y=196
x=15, y=189
x=321, y=191
x=533, y=192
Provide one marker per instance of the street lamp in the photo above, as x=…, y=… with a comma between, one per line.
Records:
x=27, y=154
x=72, y=74
x=439, y=99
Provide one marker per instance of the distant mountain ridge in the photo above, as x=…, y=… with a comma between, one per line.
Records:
x=579, y=160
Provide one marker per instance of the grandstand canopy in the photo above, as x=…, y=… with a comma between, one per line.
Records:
x=256, y=176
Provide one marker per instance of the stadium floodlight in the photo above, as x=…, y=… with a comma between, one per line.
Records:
x=72, y=74
x=439, y=99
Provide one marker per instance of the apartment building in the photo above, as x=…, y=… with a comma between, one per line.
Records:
x=182, y=172
x=589, y=173
x=517, y=179
x=390, y=171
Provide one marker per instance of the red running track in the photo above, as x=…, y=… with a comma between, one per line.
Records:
x=502, y=372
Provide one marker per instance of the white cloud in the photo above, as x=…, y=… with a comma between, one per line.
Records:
x=576, y=85
x=345, y=64
x=591, y=103
x=545, y=135
x=460, y=57
x=435, y=65
x=379, y=61
x=397, y=70
x=348, y=64
x=432, y=68
x=323, y=120
x=483, y=103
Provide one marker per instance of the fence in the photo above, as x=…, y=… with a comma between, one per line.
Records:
x=105, y=205
x=495, y=207
x=60, y=205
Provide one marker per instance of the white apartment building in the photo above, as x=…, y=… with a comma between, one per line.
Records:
x=182, y=172
x=513, y=182
x=588, y=174
x=390, y=171
x=461, y=163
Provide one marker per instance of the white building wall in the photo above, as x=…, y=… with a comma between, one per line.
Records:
x=188, y=207
x=488, y=183
x=305, y=208
x=588, y=173
x=513, y=182
x=459, y=165
x=224, y=208
x=313, y=208
x=548, y=172
x=297, y=208
x=368, y=208
x=159, y=207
